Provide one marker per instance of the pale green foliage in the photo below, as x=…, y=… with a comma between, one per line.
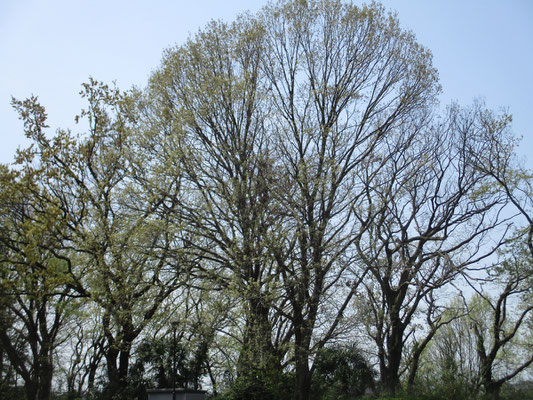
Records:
x=281, y=179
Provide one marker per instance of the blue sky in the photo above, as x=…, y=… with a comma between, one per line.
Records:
x=482, y=48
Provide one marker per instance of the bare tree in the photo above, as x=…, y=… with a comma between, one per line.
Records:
x=428, y=218
x=510, y=309
x=502, y=332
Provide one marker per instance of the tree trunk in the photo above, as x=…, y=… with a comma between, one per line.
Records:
x=301, y=353
x=390, y=373
x=39, y=388
x=117, y=371
x=257, y=345
x=303, y=378
x=492, y=391
x=412, y=375
x=390, y=380
x=45, y=380
x=31, y=389
x=92, y=376
x=112, y=370
x=259, y=360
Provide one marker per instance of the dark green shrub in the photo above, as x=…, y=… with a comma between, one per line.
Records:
x=261, y=385
x=341, y=372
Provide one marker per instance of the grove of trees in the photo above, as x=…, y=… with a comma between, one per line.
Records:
x=283, y=212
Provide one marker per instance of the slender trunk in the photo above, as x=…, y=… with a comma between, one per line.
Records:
x=2, y=361
x=94, y=362
x=418, y=349
x=92, y=376
x=412, y=375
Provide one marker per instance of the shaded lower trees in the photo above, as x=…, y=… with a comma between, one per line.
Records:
x=35, y=295
x=187, y=337
x=437, y=316
x=489, y=344
x=80, y=358
x=449, y=364
x=8, y=375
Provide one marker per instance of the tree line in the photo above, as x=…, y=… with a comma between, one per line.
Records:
x=285, y=199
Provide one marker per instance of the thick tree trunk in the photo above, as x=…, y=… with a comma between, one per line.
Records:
x=39, y=388
x=257, y=351
x=390, y=372
x=45, y=380
x=112, y=369
x=390, y=380
x=118, y=355
x=303, y=375
x=303, y=379
x=117, y=370
x=31, y=389
x=38, y=385
x=301, y=353
x=259, y=362
x=492, y=391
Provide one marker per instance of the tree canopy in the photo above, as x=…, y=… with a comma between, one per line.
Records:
x=287, y=201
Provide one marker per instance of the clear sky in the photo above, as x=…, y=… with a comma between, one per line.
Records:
x=482, y=48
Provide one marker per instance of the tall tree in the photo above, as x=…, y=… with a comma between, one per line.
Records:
x=272, y=117
x=342, y=79
x=212, y=96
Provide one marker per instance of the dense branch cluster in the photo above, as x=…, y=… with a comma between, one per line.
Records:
x=283, y=212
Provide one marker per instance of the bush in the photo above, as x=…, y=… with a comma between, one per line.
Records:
x=341, y=372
